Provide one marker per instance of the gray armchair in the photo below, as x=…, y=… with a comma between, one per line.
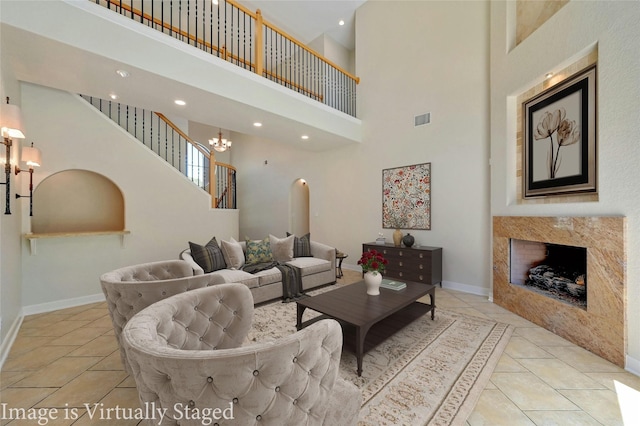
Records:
x=186, y=356
x=130, y=289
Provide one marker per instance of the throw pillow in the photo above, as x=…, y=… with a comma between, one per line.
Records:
x=302, y=246
x=209, y=257
x=233, y=254
x=282, y=248
x=258, y=251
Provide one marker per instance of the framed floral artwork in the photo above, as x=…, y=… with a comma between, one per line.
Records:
x=406, y=197
x=559, y=155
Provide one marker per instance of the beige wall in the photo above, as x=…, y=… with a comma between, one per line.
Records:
x=266, y=172
x=531, y=15
x=580, y=26
x=10, y=270
x=334, y=51
x=433, y=60
x=163, y=209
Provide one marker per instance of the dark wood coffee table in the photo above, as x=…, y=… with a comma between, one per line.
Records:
x=352, y=305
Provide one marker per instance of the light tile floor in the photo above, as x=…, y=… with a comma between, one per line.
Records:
x=543, y=379
x=68, y=358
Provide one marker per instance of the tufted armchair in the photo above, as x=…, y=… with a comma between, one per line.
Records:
x=186, y=356
x=130, y=289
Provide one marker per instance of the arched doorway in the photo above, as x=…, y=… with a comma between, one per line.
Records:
x=299, y=207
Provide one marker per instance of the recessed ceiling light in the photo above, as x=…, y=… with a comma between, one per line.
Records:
x=113, y=96
x=341, y=22
x=123, y=73
x=257, y=124
x=548, y=75
x=180, y=102
x=305, y=137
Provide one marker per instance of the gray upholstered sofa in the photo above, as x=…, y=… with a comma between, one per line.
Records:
x=316, y=270
x=186, y=356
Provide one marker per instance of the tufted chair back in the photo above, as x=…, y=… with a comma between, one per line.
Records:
x=130, y=289
x=186, y=358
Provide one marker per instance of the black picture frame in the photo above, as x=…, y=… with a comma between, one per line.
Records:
x=559, y=152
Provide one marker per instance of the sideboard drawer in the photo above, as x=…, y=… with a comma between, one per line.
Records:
x=422, y=264
x=412, y=276
x=406, y=253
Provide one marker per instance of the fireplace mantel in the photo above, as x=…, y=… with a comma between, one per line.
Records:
x=600, y=328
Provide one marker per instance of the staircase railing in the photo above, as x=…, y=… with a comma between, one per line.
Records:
x=242, y=37
x=164, y=138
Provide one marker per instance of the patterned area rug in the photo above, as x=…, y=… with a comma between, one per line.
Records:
x=428, y=373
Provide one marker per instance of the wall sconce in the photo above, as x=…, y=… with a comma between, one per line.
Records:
x=11, y=127
x=32, y=157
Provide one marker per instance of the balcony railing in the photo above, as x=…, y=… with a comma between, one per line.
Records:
x=236, y=34
x=164, y=138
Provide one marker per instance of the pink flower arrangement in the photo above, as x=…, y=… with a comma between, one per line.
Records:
x=372, y=261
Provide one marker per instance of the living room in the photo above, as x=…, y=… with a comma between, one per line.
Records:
x=458, y=57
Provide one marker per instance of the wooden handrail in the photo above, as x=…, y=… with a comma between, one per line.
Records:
x=172, y=131
x=215, y=201
x=219, y=200
x=164, y=25
x=255, y=15
x=181, y=133
x=223, y=51
x=208, y=155
x=311, y=51
x=226, y=55
x=284, y=34
x=228, y=166
x=212, y=180
x=259, y=42
x=230, y=170
x=292, y=84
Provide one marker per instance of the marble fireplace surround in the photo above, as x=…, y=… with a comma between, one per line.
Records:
x=601, y=327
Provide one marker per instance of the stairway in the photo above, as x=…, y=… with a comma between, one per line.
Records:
x=164, y=138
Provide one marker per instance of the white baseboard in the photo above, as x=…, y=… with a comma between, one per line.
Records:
x=466, y=288
x=350, y=267
x=62, y=304
x=7, y=342
x=632, y=365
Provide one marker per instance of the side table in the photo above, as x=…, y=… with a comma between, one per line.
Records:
x=339, y=258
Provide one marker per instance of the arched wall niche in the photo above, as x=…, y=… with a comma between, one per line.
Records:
x=75, y=201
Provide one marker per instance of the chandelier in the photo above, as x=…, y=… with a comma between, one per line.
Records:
x=220, y=144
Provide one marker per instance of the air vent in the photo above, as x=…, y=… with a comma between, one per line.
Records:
x=421, y=120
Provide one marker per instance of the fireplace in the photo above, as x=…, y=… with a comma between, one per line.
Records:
x=553, y=270
x=598, y=325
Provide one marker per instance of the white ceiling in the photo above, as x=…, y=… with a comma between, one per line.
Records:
x=308, y=19
x=82, y=61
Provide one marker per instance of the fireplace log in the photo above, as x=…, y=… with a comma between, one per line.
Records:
x=547, y=278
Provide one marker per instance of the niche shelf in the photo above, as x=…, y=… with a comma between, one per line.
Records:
x=33, y=238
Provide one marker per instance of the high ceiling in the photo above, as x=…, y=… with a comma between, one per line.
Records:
x=308, y=19
x=81, y=60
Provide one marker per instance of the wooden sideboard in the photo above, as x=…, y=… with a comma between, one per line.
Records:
x=420, y=264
